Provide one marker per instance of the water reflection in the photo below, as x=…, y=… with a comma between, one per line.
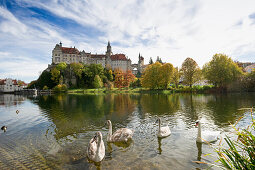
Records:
x=199, y=150
x=159, y=146
x=55, y=130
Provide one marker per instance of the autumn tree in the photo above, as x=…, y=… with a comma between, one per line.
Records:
x=191, y=71
x=108, y=74
x=221, y=70
x=119, y=78
x=55, y=75
x=165, y=75
x=157, y=76
x=176, y=77
x=61, y=66
x=97, y=83
x=128, y=78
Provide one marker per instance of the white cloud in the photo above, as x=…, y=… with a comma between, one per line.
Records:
x=171, y=29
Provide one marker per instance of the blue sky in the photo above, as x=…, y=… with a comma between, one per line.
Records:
x=171, y=29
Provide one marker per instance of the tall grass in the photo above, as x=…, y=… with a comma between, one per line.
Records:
x=240, y=153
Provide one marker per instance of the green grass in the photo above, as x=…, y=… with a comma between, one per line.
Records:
x=181, y=89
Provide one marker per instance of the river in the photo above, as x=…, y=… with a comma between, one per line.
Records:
x=53, y=131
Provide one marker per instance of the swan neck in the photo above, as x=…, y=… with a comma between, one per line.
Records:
x=98, y=145
x=109, y=132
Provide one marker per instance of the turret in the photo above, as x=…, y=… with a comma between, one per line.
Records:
x=109, y=50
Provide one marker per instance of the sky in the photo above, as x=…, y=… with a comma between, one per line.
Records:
x=170, y=29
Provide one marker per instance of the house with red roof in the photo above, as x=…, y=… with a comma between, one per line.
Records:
x=9, y=85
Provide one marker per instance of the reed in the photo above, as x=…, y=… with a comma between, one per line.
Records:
x=240, y=153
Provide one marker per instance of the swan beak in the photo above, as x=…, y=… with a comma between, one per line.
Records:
x=94, y=139
x=196, y=124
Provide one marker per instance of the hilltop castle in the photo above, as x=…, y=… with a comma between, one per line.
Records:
x=114, y=61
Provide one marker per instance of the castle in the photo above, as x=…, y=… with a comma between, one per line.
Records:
x=114, y=61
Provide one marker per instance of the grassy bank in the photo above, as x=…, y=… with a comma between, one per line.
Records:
x=181, y=89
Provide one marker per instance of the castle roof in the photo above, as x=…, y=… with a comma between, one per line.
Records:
x=69, y=50
x=119, y=57
x=98, y=55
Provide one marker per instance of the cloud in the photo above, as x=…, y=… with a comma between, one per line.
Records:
x=171, y=29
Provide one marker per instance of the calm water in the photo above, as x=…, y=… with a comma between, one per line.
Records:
x=53, y=131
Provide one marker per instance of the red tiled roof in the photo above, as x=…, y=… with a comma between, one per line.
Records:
x=142, y=58
x=98, y=55
x=118, y=57
x=2, y=81
x=14, y=82
x=70, y=50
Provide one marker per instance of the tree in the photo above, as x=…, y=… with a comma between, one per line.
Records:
x=108, y=74
x=128, y=78
x=159, y=60
x=191, y=71
x=55, y=75
x=157, y=76
x=151, y=61
x=176, y=77
x=119, y=78
x=61, y=66
x=221, y=70
x=165, y=74
x=77, y=68
x=97, y=82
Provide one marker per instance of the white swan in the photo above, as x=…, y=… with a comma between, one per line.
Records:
x=121, y=135
x=96, y=148
x=163, y=131
x=206, y=136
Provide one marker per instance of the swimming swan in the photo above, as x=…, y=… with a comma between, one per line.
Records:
x=121, y=135
x=206, y=136
x=96, y=148
x=162, y=131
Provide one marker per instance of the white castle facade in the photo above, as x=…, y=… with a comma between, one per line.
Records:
x=73, y=55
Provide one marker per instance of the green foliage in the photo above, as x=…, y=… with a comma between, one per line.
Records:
x=55, y=75
x=61, y=66
x=191, y=71
x=108, y=74
x=77, y=68
x=136, y=83
x=45, y=79
x=221, y=70
x=60, y=88
x=97, y=83
x=176, y=77
x=45, y=87
x=241, y=152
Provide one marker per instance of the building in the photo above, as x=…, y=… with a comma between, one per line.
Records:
x=243, y=65
x=249, y=68
x=73, y=55
x=138, y=67
x=8, y=86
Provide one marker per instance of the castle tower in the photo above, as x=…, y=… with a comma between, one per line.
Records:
x=109, y=50
x=108, y=54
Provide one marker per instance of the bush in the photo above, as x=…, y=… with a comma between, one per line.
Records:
x=45, y=88
x=60, y=88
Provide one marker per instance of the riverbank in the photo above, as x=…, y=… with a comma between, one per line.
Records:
x=182, y=89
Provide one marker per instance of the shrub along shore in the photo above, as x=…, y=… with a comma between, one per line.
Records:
x=181, y=89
